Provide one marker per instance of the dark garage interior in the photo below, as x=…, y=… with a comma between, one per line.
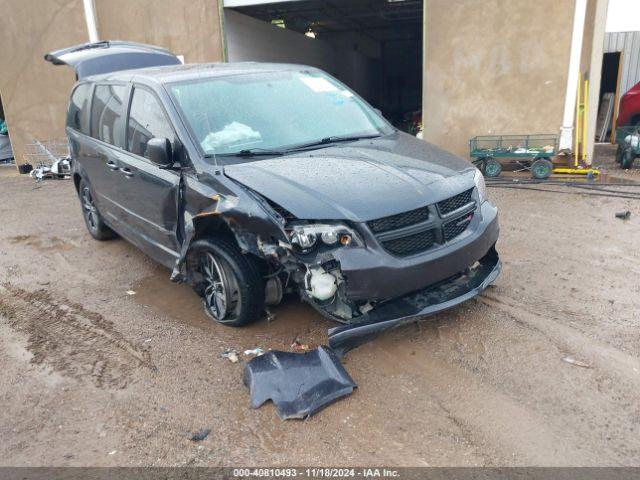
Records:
x=374, y=46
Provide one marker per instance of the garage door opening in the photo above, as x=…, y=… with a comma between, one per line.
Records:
x=609, y=98
x=373, y=46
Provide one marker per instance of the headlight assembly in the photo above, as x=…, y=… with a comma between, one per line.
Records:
x=482, y=187
x=307, y=236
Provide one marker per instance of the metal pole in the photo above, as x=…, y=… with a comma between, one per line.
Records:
x=90, y=18
x=585, y=109
x=579, y=16
x=576, y=137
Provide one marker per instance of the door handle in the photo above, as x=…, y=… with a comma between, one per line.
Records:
x=126, y=172
x=112, y=166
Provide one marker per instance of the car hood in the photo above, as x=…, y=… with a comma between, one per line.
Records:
x=359, y=181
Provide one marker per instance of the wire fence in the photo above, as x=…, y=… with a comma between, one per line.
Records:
x=46, y=152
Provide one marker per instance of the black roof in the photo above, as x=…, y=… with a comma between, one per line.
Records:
x=193, y=71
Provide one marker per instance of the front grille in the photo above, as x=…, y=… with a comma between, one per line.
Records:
x=455, y=202
x=394, y=222
x=410, y=244
x=429, y=228
x=454, y=228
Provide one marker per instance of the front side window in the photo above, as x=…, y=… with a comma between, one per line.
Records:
x=107, y=114
x=78, y=115
x=146, y=121
x=272, y=110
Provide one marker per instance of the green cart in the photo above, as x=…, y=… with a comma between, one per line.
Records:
x=628, y=140
x=532, y=153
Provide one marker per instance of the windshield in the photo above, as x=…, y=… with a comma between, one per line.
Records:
x=272, y=111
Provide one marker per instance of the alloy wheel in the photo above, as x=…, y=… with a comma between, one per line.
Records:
x=89, y=209
x=220, y=292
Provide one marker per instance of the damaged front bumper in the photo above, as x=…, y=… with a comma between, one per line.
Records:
x=411, y=307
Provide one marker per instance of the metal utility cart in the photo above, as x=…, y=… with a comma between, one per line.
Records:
x=628, y=140
x=531, y=152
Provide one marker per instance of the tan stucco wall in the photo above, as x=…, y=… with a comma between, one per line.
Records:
x=494, y=67
x=34, y=93
x=185, y=27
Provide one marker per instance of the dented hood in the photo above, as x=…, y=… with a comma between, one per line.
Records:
x=360, y=181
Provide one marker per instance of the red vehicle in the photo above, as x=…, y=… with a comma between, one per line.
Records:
x=630, y=107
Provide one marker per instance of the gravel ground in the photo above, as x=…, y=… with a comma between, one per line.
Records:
x=543, y=369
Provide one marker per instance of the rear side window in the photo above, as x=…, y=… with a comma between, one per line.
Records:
x=108, y=114
x=78, y=115
x=146, y=121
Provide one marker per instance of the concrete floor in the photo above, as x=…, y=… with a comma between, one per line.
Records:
x=93, y=376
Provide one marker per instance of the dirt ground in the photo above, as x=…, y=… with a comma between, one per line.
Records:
x=94, y=376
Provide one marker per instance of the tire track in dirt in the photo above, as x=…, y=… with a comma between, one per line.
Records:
x=568, y=339
x=70, y=339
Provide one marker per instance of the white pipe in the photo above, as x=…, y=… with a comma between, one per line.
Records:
x=566, y=131
x=90, y=18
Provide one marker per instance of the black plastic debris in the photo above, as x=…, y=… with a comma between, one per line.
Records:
x=299, y=384
x=625, y=215
x=200, y=435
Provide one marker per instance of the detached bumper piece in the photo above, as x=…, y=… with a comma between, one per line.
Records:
x=411, y=307
x=299, y=384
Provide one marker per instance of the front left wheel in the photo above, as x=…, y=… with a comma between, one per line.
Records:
x=228, y=281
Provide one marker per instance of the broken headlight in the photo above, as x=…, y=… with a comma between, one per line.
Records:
x=307, y=236
x=478, y=178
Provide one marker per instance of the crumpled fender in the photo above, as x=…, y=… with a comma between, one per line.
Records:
x=201, y=199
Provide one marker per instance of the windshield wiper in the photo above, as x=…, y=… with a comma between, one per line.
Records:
x=254, y=152
x=330, y=140
x=250, y=152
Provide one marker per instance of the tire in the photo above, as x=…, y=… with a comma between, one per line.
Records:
x=92, y=218
x=229, y=282
x=491, y=167
x=628, y=156
x=542, y=168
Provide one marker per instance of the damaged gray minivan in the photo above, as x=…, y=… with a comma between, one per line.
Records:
x=253, y=180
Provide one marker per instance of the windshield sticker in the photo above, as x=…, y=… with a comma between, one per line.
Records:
x=319, y=84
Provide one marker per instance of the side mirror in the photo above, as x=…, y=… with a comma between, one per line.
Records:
x=159, y=151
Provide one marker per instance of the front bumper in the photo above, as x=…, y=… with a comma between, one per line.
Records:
x=433, y=299
x=372, y=274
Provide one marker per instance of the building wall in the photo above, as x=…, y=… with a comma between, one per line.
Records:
x=494, y=67
x=185, y=27
x=34, y=93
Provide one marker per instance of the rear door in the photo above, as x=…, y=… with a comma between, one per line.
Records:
x=82, y=148
x=147, y=194
x=99, y=160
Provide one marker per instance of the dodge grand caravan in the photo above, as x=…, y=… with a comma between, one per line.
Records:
x=253, y=180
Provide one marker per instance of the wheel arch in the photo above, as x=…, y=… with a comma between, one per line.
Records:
x=216, y=226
